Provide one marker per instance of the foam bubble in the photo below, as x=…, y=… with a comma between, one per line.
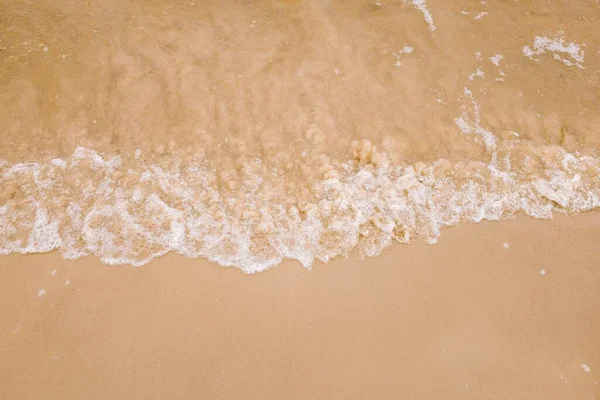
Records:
x=88, y=205
x=421, y=5
x=569, y=53
x=405, y=50
x=469, y=121
x=477, y=74
x=586, y=368
x=496, y=58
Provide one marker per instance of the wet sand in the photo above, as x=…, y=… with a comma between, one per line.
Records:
x=249, y=132
x=465, y=318
x=252, y=133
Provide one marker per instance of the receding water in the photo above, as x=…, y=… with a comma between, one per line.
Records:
x=251, y=131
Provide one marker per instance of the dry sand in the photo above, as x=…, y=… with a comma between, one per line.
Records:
x=466, y=318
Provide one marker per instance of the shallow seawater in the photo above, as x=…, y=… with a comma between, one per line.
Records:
x=247, y=132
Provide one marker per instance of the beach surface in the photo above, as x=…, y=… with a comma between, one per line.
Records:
x=241, y=199
x=469, y=317
x=250, y=132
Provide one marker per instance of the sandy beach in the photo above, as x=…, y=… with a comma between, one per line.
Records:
x=285, y=199
x=465, y=318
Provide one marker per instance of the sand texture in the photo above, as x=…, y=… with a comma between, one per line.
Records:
x=286, y=199
x=465, y=318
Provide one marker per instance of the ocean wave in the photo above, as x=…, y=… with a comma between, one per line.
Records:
x=129, y=214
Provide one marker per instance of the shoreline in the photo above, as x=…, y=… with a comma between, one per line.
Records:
x=424, y=321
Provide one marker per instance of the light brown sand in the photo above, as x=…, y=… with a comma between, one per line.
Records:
x=272, y=98
x=466, y=318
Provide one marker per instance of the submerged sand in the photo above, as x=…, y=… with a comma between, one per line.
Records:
x=249, y=132
x=465, y=318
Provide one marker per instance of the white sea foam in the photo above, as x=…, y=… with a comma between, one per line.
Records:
x=569, y=53
x=85, y=204
x=469, y=122
x=405, y=50
x=421, y=5
x=477, y=74
x=585, y=367
x=496, y=58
